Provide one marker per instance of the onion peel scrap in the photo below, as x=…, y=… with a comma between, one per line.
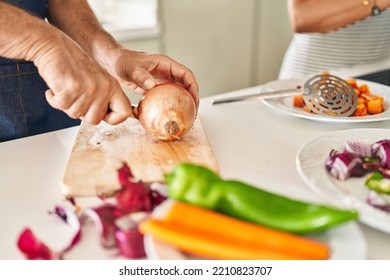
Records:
x=34, y=249
x=116, y=220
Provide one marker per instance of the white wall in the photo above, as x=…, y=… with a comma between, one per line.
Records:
x=213, y=38
x=229, y=44
x=273, y=34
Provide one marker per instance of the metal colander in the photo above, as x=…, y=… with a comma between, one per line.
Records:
x=330, y=95
x=324, y=94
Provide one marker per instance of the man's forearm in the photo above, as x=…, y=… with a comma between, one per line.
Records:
x=22, y=35
x=77, y=20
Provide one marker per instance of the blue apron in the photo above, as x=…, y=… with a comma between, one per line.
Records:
x=24, y=110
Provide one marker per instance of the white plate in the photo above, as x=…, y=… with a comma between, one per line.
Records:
x=351, y=193
x=285, y=104
x=346, y=242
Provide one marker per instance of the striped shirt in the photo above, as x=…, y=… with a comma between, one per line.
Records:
x=363, y=42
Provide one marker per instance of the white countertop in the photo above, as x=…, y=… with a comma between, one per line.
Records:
x=251, y=142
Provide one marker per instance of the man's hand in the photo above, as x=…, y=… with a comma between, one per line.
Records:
x=79, y=86
x=139, y=71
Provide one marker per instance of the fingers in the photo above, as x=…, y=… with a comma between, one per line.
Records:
x=143, y=79
x=178, y=73
x=82, y=88
x=140, y=72
x=119, y=109
x=55, y=102
x=114, y=109
x=93, y=95
x=191, y=85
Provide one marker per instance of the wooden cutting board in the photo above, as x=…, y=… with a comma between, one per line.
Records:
x=99, y=151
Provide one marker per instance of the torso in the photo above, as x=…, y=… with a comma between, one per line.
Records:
x=363, y=42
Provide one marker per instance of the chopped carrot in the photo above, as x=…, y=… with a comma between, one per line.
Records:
x=361, y=110
x=363, y=88
x=373, y=96
x=361, y=100
x=249, y=241
x=364, y=97
x=375, y=106
x=352, y=82
x=368, y=97
x=299, y=101
x=357, y=91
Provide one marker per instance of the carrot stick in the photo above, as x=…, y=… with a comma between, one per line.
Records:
x=241, y=231
x=218, y=226
x=203, y=245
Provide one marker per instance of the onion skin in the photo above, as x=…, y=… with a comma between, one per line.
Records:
x=167, y=111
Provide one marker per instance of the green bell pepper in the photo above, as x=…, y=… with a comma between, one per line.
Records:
x=379, y=183
x=202, y=187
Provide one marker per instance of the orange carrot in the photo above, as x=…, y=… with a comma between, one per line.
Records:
x=361, y=100
x=244, y=234
x=357, y=91
x=298, y=101
x=220, y=224
x=361, y=110
x=375, y=106
x=204, y=245
x=353, y=83
x=363, y=88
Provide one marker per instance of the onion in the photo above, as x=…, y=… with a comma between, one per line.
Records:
x=344, y=165
x=35, y=249
x=359, y=148
x=167, y=111
x=382, y=149
x=380, y=201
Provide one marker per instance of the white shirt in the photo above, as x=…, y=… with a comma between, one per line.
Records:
x=362, y=42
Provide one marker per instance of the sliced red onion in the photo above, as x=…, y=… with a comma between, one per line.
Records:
x=382, y=151
x=333, y=152
x=385, y=172
x=130, y=243
x=129, y=239
x=134, y=197
x=158, y=193
x=104, y=219
x=125, y=174
x=344, y=165
x=34, y=249
x=380, y=201
x=371, y=165
x=362, y=149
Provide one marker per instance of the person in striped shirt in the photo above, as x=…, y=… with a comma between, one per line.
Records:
x=331, y=34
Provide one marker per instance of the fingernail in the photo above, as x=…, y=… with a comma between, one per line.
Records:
x=148, y=84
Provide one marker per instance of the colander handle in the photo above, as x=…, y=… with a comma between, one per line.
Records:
x=260, y=95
